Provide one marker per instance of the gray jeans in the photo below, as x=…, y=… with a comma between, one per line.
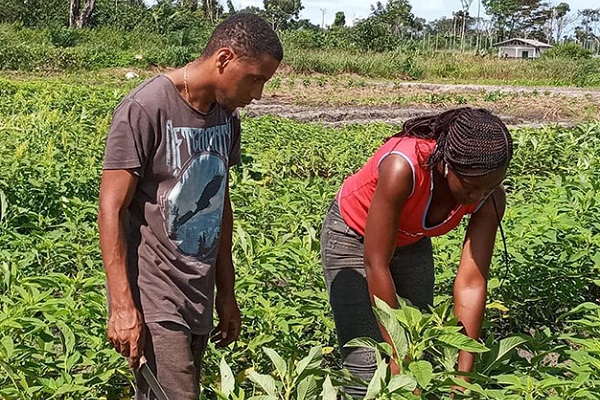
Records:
x=342, y=254
x=175, y=356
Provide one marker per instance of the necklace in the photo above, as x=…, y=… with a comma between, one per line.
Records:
x=185, y=85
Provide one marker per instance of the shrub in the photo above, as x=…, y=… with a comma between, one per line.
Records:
x=568, y=50
x=61, y=36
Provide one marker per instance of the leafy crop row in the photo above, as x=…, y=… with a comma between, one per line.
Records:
x=542, y=322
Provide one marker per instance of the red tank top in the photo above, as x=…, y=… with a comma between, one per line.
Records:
x=354, y=197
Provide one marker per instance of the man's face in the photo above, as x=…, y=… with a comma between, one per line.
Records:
x=242, y=80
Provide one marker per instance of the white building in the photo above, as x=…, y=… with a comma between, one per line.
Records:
x=521, y=48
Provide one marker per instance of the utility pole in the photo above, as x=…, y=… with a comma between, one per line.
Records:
x=478, y=26
x=323, y=12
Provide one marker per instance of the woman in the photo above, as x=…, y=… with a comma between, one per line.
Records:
x=376, y=242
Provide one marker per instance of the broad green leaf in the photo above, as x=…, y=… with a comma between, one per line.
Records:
x=422, y=371
x=227, y=378
x=401, y=383
x=550, y=383
x=106, y=375
x=470, y=386
x=496, y=305
x=582, y=307
x=369, y=343
x=68, y=335
x=377, y=383
x=3, y=206
x=410, y=316
x=72, y=360
x=280, y=364
x=509, y=379
x=462, y=342
x=362, y=342
x=11, y=323
x=307, y=389
x=259, y=340
x=329, y=392
x=266, y=382
x=503, y=348
x=386, y=315
x=312, y=360
x=9, y=346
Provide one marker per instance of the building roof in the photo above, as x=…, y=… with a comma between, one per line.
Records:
x=530, y=42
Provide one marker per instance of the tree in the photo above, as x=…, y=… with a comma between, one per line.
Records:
x=212, y=9
x=502, y=13
x=590, y=26
x=558, y=21
x=191, y=5
x=125, y=14
x=32, y=13
x=282, y=12
x=340, y=19
x=590, y=19
x=253, y=10
x=230, y=7
x=79, y=14
x=373, y=35
x=518, y=17
x=396, y=14
x=418, y=25
x=465, y=5
x=442, y=26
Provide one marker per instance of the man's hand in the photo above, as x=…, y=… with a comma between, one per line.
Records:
x=126, y=334
x=228, y=329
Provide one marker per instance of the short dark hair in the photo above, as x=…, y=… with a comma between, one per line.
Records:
x=474, y=142
x=247, y=34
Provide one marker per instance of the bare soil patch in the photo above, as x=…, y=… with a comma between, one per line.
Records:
x=349, y=100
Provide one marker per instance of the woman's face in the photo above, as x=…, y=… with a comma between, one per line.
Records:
x=470, y=190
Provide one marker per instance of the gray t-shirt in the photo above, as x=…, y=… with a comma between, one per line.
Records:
x=182, y=158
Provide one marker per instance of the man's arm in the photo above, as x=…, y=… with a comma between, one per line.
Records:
x=124, y=329
x=228, y=328
x=470, y=286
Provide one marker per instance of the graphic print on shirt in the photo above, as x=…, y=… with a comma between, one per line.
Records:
x=193, y=208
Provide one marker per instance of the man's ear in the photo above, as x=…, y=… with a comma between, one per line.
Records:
x=224, y=57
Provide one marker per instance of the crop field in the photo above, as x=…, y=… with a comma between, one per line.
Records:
x=542, y=328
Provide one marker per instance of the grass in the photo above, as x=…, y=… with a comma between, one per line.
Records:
x=42, y=50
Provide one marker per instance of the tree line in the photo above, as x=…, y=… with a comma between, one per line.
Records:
x=387, y=25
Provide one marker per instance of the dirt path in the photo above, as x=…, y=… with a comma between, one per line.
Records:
x=442, y=87
x=336, y=101
x=345, y=115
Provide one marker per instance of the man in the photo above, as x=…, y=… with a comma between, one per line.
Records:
x=165, y=216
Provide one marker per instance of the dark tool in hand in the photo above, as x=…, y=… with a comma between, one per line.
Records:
x=151, y=380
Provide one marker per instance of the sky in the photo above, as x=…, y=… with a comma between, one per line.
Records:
x=354, y=9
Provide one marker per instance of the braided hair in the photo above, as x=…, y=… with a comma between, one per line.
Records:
x=473, y=142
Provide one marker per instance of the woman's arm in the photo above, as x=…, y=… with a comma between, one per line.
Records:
x=470, y=285
x=393, y=188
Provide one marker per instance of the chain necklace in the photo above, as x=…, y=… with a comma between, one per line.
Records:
x=185, y=85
